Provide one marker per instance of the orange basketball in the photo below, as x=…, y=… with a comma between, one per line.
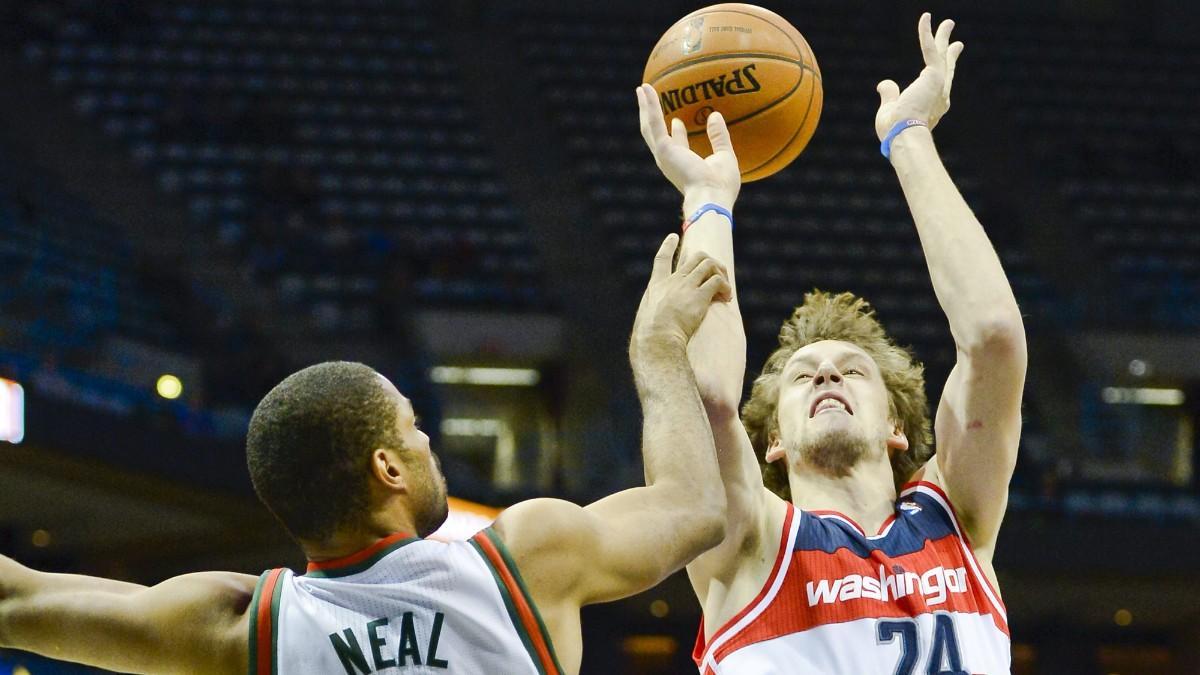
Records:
x=752, y=66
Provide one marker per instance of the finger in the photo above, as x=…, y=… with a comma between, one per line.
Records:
x=650, y=114
x=888, y=91
x=952, y=54
x=942, y=39
x=717, y=289
x=643, y=118
x=662, y=259
x=925, y=34
x=707, y=267
x=679, y=132
x=687, y=265
x=718, y=134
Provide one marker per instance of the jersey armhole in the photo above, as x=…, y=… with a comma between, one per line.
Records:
x=264, y=623
x=517, y=600
x=790, y=523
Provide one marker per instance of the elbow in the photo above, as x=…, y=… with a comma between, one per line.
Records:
x=720, y=398
x=999, y=335
x=720, y=409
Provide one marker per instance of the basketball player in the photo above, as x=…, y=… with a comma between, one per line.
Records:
x=849, y=550
x=335, y=453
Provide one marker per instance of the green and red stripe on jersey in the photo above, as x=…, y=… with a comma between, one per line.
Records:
x=359, y=561
x=521, y=609
x=264, y=623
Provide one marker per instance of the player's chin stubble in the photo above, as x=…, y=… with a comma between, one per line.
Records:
x=834, y=453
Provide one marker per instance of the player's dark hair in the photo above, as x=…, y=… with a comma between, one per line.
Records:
x=310, y=442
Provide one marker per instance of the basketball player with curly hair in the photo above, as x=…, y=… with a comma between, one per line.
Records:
x=850, y=547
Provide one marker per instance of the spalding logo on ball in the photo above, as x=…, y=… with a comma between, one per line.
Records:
x=752, y=66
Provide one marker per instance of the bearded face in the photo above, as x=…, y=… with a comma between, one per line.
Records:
x=833, y=410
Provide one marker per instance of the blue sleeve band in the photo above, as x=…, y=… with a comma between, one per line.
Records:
x=716, y=208
x=885, y=148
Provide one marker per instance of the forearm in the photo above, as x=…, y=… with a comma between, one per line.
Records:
x=712, y=233
x=718, y=356
x=967, y=277
x=16, y=582
x=718, y=349
x=22, y=587
x=677, y=443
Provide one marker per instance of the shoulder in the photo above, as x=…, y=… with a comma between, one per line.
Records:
x=730, y=576
x=929, y=485
x=216, y=608
x=548, y=542
x=538, y=526
x=930, y=482
x=547, y=539
x=220, y=595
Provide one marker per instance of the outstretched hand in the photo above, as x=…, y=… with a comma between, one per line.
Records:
x=717, y=174
x=675, y=302
x=928, y=97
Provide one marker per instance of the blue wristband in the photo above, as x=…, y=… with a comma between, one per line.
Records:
x=885, y=148
x=717, y=208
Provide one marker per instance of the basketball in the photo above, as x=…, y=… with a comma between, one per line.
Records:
x=753, y=67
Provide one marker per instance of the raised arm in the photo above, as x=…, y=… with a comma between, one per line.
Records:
x=718, y=350
x=625, y=543
x=193, y=623
x=979, y=417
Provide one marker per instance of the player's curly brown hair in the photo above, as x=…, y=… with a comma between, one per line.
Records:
x=849, y=318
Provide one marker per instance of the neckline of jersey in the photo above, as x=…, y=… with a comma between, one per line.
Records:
x=334, y=565
x=830, y=513
x=883, y=528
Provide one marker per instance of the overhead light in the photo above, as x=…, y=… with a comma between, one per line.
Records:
x=1142, y=396
x=12, y=411
x=496, y=377
x=40, y=538
x=169, y=387
x=467, y=426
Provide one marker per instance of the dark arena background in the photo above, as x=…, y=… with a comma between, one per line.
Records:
x=198, y=197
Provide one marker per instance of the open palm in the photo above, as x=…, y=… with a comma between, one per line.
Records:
x=928, y=97
x=686, y=170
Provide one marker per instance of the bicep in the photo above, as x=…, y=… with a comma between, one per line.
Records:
x=611, y=549
x=184, y=624
x=978, y=428
x=640, y=539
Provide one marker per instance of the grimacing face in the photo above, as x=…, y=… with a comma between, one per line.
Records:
x=426, y=482
x=833, y=409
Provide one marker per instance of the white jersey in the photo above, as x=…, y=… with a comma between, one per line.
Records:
x=910, y=599
x=404, y=605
